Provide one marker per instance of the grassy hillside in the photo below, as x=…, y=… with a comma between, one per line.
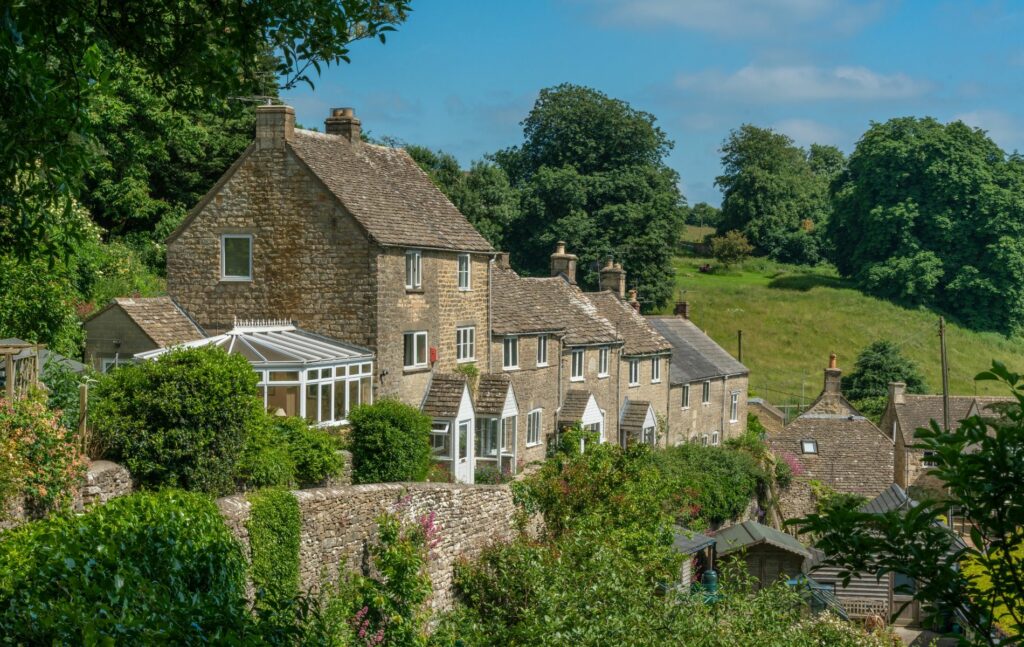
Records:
x=792, y=318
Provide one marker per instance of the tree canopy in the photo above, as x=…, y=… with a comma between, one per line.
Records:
x=933, y=214
x=880, y=363
x=591, y=171
x=776, y=193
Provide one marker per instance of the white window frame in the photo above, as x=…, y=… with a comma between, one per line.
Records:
x=440, y=429
x=714, y=437
x=686, y=396
x=533, y=427
x=602, y=362
x=510, y=350
x=465, y=273
x=224, y=257
x=704, y=440
x=655, y=370
x=648, y=435
x=705, y=393
x=634, y=372
x=734, y=407
x=808, y=446
x=417, y=344
x=578, y=365
x=465, y=344
x=109, y=362
x=542, y=350
x=413, y=271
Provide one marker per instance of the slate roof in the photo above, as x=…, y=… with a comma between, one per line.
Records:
x=853, y=456
x=524, y=305
x=444, y=395
x=160, y=318
x=634, y=414
x=695, y=356
x=750, y=533
x=688, y=542
x=491, y=393
x=891, y=498
x=919, y=410
x=574, y=405
x=639, y=336
x=387, y=193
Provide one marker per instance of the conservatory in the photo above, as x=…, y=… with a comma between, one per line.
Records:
x=301, y=373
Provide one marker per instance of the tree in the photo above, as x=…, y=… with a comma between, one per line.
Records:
x=731, y=248
x=776, y=193
x=703, y=214
x=591, y=171
x=980, y=464
x=57, y=55
x=933, y=214
x=878, y=364
x=180, y=420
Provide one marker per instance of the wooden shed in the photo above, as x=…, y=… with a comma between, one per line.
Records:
x=770, y=554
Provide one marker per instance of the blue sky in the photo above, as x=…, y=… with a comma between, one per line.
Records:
x=461, y=75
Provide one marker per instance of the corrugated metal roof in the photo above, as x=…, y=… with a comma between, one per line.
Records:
x=275, y=345
x=695, y=356
x=750, y=533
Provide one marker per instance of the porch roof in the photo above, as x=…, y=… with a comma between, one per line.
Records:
x=275, y=344
x=636, y=415
x=492, y=393
x=444, y=396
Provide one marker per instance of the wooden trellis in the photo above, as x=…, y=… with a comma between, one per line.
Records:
x=22, y=368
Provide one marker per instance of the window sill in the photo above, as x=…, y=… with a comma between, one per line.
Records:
x=533, y=444
x=235, y=279
x=577, y=379
x=633, y=384
x=414, y=291
x=544, y=365
x=686, y=408
x=465, y=289
x=655, y=381
x=410, y=370
x=468, y=360
x=602, y=376
x=732, y=422
x=510, y=368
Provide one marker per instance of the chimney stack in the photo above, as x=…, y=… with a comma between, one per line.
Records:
x=563, y=263
x=502, y=260
x=633, y=300
x=683, y=309
x=833, y=377
x=613, y=278
x=275, y=124
x=896, y=392
x=343, y=121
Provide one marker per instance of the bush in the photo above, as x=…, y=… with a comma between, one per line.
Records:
x=390, y=442
x=274, y=524
x=180, y=420
x=39, y=458
x=717, y=482
x=143, y=569
x=731, y=248
x=288, y=452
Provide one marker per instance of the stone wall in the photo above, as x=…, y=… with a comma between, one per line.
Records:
x=690, y=423
x=103, y=481
x=338, y=525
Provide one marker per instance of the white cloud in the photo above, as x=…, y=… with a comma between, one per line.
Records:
x=741, y=18
x=1004, y=129
x=807, y=131
x=790, y=83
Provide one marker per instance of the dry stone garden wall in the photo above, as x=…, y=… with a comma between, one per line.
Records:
x=103, y=481
x=339, y=524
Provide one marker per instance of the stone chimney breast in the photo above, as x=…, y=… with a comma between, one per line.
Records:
x=563, y=263
x=275, y=124
x=613, y=278
x=833, y=377
x=683, y=309
x=896, y=392
x=343, y=121
x=633, y=300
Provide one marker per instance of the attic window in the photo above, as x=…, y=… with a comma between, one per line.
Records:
x=236, y=257
x=809, y=446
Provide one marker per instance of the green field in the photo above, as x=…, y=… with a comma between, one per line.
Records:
x=792, y=318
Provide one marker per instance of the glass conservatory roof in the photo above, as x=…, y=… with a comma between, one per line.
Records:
x=275, y=343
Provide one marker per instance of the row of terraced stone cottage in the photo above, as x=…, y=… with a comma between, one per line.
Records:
x=344, y=275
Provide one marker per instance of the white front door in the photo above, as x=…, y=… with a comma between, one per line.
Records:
x=463, y=444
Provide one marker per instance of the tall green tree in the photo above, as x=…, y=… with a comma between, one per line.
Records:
x=931, y=213
x=776, y=193
x=703, y=214
x=878, y=364
x=592, y=172
x=58, y=54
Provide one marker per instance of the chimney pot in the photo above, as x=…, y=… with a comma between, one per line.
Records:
x=896, y=392
x=503, y=260
x=563, y=263
x=343, y=122
x=683, y=309
x=633, y=300
x=833, y=377
x=613, y=279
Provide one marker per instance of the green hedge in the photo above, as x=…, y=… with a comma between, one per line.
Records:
x=274, y=524
x=143, y=569
x=287, y=452
x=180, y=420
x=390, y=442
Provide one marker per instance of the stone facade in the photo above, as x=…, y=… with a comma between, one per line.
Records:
x=103, y=481
x=770, y=417
x=657, y=393
x=604, y=389
x=338, y=524
x=691, y=423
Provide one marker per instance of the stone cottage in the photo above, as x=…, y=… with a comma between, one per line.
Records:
x=905, y=413
x=708, y=392
x=127, y=326
x=833, y=444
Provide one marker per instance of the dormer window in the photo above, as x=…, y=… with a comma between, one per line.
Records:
x=809, y=446
x=413, y=270
x=236, y=257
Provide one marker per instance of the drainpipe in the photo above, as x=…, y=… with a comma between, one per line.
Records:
x=618, y=396
x=725, y=403
x=490, y=310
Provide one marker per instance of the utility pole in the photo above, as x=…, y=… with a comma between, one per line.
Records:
x=739, y=345
x=945, y=375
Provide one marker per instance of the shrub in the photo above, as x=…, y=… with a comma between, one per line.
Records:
x=390, y=442
x=63, y=386
x=180, y=420
x=314, y=451
x=39, y=458
x=149, y=568
x=274, y=524
x=731, y=248
x=287, y=451
x=718, y=482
